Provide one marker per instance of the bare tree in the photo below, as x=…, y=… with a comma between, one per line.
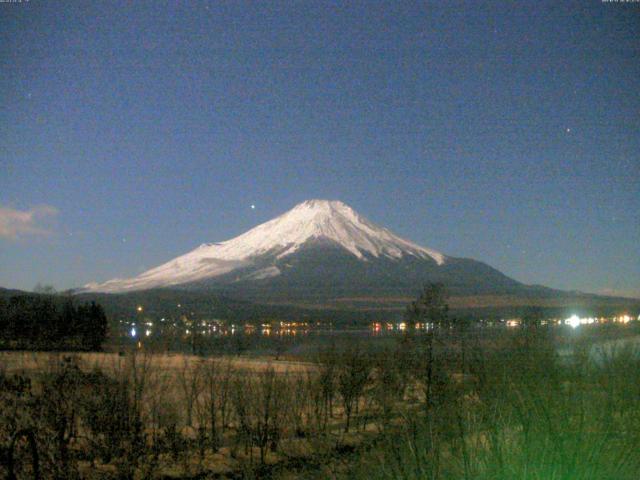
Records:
x=353, y=374
x=240, y=392
x=190, y=385
x=212, y=404
x=391, y=377
x=328, y=369
x=259, y=410
x=133, y=379
x=300, y=400
x=59, y=411
x=268, y=418
x=432, y=310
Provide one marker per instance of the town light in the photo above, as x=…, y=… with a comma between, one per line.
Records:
x=573, y=320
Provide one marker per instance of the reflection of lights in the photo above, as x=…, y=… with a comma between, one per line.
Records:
x=513, y=322
x=402, y=326
x=147, y=332
x=139, y=308
x=133, y=331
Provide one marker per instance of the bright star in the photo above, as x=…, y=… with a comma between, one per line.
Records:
x=253, y=207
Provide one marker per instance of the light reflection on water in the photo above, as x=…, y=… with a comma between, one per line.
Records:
x=219, y=329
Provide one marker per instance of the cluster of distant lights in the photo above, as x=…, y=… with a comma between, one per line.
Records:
x=573, y=321
x=281, y=328
x=134, y=332
x=379, y=327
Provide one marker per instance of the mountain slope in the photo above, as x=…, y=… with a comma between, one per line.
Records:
x=319, y=251
x=266, y=244
x=321, y=270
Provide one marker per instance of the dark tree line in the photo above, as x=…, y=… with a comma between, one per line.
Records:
x=47, y=322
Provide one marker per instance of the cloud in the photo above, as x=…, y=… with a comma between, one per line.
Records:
x=16, y=223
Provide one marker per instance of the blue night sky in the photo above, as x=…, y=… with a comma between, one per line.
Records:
x=132, y=132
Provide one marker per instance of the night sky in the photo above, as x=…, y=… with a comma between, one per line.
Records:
x=131, y=132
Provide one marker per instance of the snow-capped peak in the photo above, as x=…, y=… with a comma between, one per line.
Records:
x=332, y=220
x=310, y=220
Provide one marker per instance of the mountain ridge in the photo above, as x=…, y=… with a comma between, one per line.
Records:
x=319, y=252
x=278, y=238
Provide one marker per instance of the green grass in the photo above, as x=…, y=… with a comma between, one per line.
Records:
x=523, y=413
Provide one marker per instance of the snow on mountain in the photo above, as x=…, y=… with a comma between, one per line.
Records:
x=282, y=236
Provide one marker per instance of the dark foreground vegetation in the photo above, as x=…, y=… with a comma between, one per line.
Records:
x=452, y=403
x=48, y=322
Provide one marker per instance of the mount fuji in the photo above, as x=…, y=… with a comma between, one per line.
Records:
x=316, y=251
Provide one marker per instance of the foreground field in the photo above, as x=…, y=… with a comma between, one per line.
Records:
x=30, y=362
x=438, y=406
